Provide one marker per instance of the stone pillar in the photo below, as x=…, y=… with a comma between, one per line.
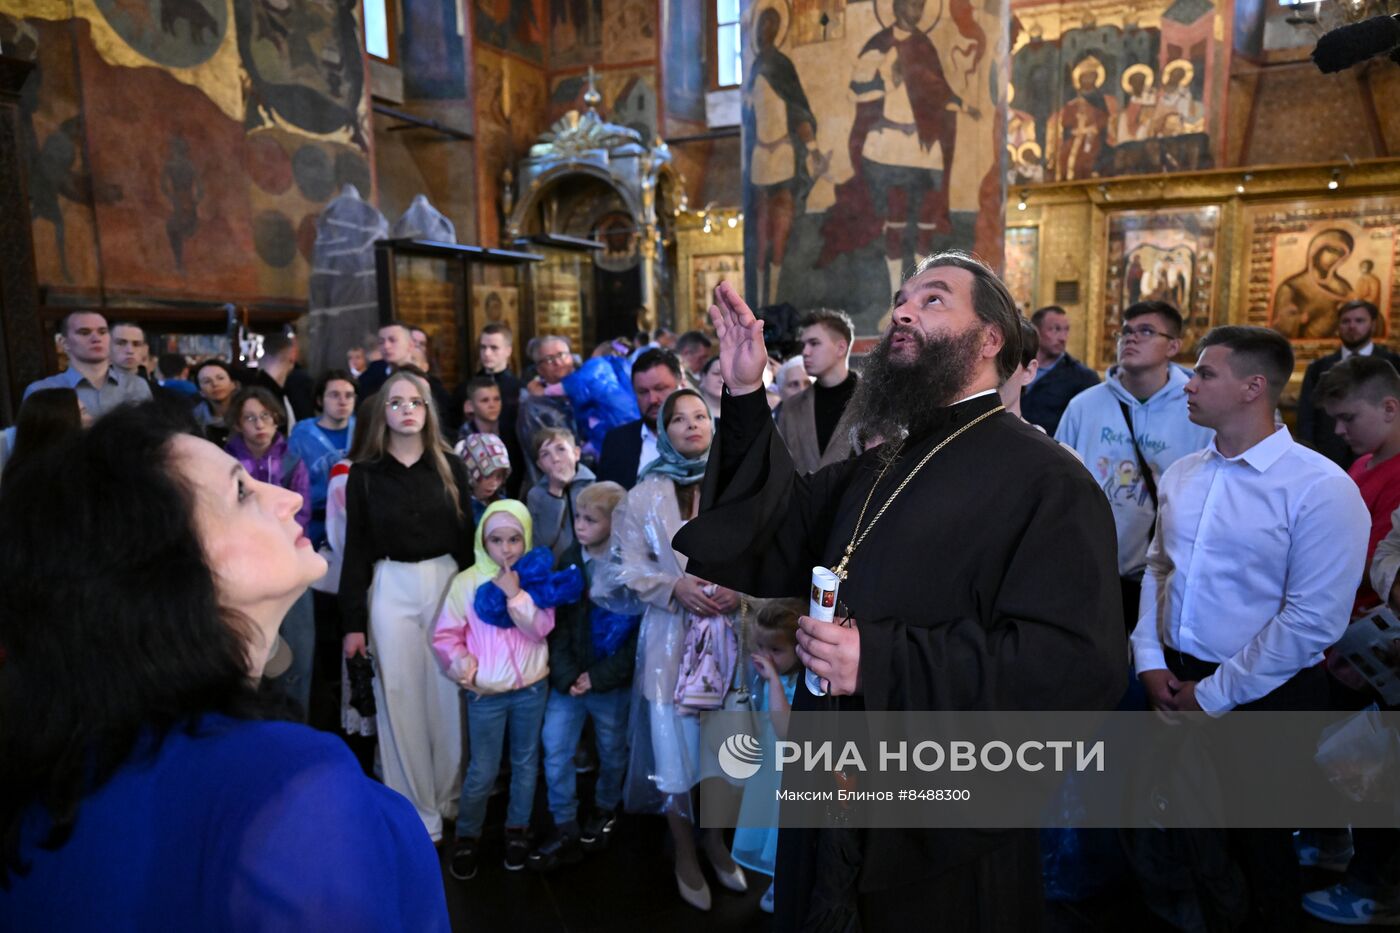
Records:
x=21, y=333
x=872, y=137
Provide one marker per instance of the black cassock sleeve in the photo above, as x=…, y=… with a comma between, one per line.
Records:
x=764, y=525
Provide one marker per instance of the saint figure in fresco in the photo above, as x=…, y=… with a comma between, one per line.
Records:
x=1132, y=280
x=1177, y=112
x=1085, y=125
x=907, y=154
x=1135, y=122
x=1306, y=303
x=903, y=138
x=779, y=127
x=181, y=187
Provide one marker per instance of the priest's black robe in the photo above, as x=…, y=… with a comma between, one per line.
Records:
x=990, y=584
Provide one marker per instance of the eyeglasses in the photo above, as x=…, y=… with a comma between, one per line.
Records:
x=409, y=405
x=1144, y=332
x=555, y=358
x=253, y=421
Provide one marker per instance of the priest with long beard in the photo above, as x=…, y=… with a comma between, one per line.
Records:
x=990, y=583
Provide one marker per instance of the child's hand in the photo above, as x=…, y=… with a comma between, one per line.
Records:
x=463, y=670
x=509, y=582
x=561, y=473
x=765, y=666
x=581, y=686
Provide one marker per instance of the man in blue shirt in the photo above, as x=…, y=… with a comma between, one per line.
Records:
x=101, y=387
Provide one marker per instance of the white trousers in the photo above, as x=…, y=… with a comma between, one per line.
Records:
x=419, y=715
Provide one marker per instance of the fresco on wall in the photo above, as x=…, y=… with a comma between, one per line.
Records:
x=868, y=150
x=1099, y=90
x=515, y=26
x=575, y=32
x=432, y=51
x=1162, y=255
x=177, y=34
x=304, y=66
x=683, y=25
x=629, y=31
x=511, y=110
x=62, y=189
x=628, y=97
x=243, y=138
x=1308, y=258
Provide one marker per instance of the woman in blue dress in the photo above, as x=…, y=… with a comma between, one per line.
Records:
x=150, y=782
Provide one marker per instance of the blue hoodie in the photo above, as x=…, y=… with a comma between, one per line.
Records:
x=1093, y=425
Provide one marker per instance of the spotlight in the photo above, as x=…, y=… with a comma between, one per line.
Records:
x=1239, y=189
x=1021, y=204
x=733, y=222
x=1335, y=181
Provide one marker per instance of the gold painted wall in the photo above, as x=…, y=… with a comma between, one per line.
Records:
x=694, y=249
x=1073, y=220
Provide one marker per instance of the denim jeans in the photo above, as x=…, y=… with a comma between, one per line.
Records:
x=563, y=723
x=299, y=632
x=489, y=719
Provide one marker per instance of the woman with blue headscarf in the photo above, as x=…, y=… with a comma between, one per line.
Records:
x=665, y=763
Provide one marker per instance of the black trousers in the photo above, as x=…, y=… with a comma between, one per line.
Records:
x=1265, y=856
x=1132, y=596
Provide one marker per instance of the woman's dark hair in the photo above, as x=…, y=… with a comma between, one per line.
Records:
x=194, y=373
x=263, y=397
x=111, y=631
x=45, y=419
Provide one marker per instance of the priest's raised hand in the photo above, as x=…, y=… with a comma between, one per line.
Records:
x=742, y=354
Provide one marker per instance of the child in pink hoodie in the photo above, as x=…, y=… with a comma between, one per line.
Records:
x=490, y=637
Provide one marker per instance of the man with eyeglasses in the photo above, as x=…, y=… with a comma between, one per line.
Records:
x=1059, y=376
x=543, y=402
x=1133, y=426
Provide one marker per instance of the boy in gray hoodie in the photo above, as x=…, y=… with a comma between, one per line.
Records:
x=1131, y=427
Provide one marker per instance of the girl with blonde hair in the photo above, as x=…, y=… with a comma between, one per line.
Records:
x=408, y=533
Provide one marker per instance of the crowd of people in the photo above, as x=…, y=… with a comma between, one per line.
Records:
x=586, y=557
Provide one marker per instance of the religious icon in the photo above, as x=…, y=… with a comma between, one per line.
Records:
x=1308, y=258
x=1306, y=303
x=1161, y=255
x=1085, y=125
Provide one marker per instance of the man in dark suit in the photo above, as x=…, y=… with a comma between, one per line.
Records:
x=1356, y=325
x=629, y=447
x=1060, y=378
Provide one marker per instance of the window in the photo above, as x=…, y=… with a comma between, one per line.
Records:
x=380, y=31
x=729, y=44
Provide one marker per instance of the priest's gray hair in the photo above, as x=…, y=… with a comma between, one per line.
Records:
x=991, y=300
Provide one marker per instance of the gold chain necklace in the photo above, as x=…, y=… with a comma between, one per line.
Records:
x=856, y=542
